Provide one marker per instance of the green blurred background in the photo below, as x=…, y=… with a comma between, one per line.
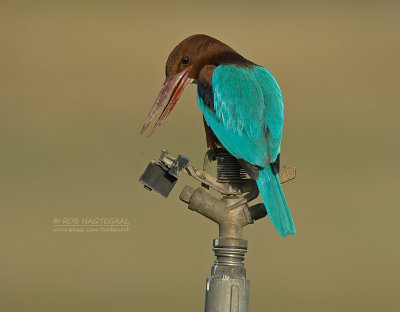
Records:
x=77, y=79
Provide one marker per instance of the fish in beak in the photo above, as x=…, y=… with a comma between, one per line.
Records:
x=169, y=94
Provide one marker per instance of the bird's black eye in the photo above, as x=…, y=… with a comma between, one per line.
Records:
x=185, y=60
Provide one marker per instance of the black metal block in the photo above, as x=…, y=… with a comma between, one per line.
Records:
x=157, y=179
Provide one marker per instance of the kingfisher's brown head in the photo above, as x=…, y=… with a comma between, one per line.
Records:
x=184, y=65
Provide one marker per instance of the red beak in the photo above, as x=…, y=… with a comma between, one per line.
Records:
x=170, y=93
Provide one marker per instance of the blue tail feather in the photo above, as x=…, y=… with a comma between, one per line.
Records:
x=275, y=202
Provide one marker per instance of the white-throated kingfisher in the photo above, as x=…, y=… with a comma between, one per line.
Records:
x=242, y=108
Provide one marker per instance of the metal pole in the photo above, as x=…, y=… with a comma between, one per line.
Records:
x=227, y=289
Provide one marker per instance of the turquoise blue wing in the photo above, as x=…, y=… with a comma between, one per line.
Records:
x=238, y=120
x=248, y=111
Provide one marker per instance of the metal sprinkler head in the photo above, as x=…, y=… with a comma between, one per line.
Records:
x=227, y=289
